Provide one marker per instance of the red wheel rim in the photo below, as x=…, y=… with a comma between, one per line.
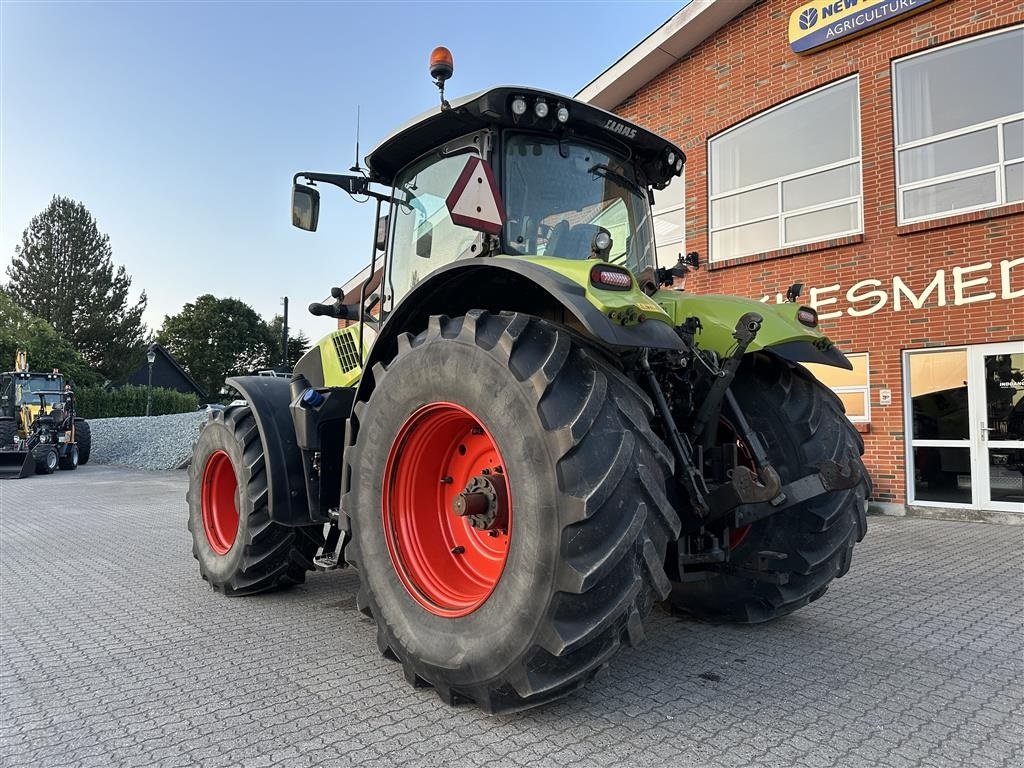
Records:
x=220, y=511
x=445, y=563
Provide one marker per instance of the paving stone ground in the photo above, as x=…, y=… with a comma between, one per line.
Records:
x=113, y=652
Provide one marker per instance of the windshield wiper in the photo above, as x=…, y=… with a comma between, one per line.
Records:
x=603, y=170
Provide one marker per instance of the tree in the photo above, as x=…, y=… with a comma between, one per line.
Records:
x=215, y=338
x=46, y=348
x=298, y=344
x=62, y=272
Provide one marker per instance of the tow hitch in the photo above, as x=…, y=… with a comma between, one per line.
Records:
x=831, y=477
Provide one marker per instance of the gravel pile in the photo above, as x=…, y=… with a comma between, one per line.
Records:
x=156, y=442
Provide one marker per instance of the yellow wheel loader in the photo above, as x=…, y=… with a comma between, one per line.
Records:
x=39, y=431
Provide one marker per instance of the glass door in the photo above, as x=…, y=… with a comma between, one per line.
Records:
x=939, y=460
x=998, y=392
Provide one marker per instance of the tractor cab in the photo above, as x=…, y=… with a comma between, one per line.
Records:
x=510, y=171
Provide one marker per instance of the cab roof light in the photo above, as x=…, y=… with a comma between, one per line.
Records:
x=610, y=278
x=540, y=108
x=442, y=64
x=518, y=106
x=562, y=113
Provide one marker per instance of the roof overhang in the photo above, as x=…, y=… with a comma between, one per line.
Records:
x=691, y=26
x=491, y=109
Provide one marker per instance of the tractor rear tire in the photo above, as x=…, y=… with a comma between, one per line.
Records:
x=71, y=459
x=800, y=423
x=46, y=459
x=239, y=549
x=578, y=561
x=83, y=436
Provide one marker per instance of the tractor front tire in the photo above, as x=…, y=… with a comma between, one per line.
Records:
x=801, y=423
x=528, y=600
x=8, y=431
x=46, y=459
x=83, y=436
x=239, y=549
x=71, y=458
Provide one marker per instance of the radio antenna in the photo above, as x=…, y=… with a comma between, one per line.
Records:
x=355, y=168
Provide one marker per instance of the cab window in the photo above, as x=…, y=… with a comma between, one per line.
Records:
x=423, y=236
x=560, y=193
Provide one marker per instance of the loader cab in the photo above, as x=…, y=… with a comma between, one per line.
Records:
x=28, y=386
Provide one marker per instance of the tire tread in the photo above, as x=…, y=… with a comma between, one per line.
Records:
x=612, y=575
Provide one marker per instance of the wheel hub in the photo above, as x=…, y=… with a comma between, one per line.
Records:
x=484, y=502
x=446, y=509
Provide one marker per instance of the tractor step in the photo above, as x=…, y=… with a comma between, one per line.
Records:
x=327, y=562
x=332, y=555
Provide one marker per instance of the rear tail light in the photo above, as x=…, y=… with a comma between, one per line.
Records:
x=807, y=316
x=610, y=278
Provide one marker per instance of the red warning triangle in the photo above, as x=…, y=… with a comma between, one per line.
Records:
x=474, y=201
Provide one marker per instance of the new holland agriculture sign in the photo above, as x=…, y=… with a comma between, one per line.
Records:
x=822, y=23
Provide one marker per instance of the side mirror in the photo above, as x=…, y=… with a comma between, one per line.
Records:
x=682, y=268
x=305, y=207
x=382, y=232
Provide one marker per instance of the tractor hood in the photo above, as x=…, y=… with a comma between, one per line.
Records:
x=493, y=109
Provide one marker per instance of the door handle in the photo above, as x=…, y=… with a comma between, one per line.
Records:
x=984, y=430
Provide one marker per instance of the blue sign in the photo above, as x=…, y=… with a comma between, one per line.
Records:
x=824, y=22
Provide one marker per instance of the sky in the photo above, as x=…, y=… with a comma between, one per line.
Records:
x=180, y=125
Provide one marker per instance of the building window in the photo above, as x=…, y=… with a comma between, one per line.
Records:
x=669, y=211
x=959, y=115
x=853, y=387
x=788, y=176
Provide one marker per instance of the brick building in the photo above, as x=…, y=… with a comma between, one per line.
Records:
x=872, y=150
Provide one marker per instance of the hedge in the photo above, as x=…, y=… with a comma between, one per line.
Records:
x=130, y=400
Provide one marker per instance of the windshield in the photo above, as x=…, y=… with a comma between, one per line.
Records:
x=560, y=194
x=25, y=389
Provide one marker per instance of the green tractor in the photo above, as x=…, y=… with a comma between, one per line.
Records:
x=525, y=438
x=39, y=429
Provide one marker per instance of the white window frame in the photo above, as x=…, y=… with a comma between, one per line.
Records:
x=999, y=166
x=780, y=214
x=864, y=389
x=679, y=208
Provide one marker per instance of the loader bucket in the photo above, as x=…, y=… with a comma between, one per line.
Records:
x=15, y=465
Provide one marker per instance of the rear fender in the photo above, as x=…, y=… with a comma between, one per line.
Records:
x=531, y=286
x=269, y=398
x=781, y=333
